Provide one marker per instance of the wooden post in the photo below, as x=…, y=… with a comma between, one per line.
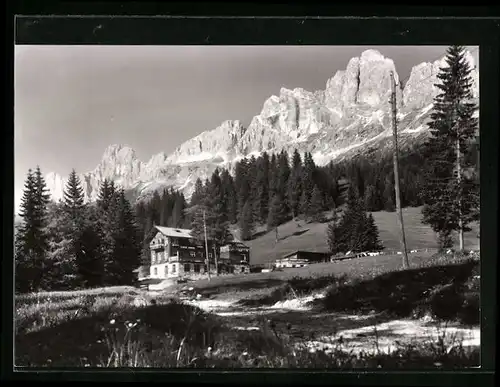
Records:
x=396, y=171
x=206, y=246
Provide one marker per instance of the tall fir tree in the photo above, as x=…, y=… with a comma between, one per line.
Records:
x=198, y=193
x=106, y=207
x=217, y=220
x=294, y=189
x=307, y=181
x=127, y=248
x=230, y=195
x=262, y=186
x=74, y=207
x=32, y=240
x=334, y=235
x=450, y=193
x=371, y=238
x=63, y=271
x=246, y=223
x=315, y=208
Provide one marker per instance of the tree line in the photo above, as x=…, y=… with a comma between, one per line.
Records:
x=71, y=244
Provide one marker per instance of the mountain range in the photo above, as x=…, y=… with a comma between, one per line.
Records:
x=352, y=115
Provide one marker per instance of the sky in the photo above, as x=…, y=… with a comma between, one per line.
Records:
x=71, y=102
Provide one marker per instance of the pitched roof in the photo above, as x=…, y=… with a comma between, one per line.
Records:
x=305, y=251
x=174, y=232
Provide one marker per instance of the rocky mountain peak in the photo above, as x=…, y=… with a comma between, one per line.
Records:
x=351, y=114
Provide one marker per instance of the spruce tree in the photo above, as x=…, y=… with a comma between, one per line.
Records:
x=198, y=194
x=178, y=210
x=307, y=181
x=372, y=240
x=334, y=235
x=73, y=202
x=370, y=197
x=450, y=193
x=127, y=249
x=106, y=207
x=32, y=242
x=246, y=223
x=304, y=204
x=315, y=209
x=389, y=195
x=217, y=220
x=294, y=189
x=276, y=214
x=230, y=195
x=62, y=270
x=262, y=186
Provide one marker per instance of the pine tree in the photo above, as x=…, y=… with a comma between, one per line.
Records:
x=246, y=223
x=450, y=193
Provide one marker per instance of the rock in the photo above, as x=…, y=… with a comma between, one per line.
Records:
x=140, y=302
x=350, y=116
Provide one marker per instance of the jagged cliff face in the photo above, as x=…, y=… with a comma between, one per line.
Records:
x=350, y=116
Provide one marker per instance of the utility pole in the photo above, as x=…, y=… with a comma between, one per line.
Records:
x=396, y=171
x=216, y=261
x=206, y=246
x=459, y=177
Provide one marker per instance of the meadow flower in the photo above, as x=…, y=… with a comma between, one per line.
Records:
x=245, y=353
x=112, y=321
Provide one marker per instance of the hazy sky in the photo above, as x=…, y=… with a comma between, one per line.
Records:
x=71, y=102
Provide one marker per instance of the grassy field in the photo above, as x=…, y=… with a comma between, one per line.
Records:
x=355, y=268
x=312, y=236
x=110, y=328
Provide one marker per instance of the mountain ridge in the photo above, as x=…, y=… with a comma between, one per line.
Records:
x=349, y=116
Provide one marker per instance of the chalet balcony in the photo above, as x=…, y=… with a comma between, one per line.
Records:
x=157, y=246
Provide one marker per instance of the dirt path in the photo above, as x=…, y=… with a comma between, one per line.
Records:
x=319, y=330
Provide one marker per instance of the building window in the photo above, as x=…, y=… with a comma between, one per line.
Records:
x=209, y=255
x=187, y=267
x=156, y=271
x=192, y=253
x=173, y=268
x=196, y=267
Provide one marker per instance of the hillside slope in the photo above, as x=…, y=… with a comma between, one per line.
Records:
x=312, y=236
